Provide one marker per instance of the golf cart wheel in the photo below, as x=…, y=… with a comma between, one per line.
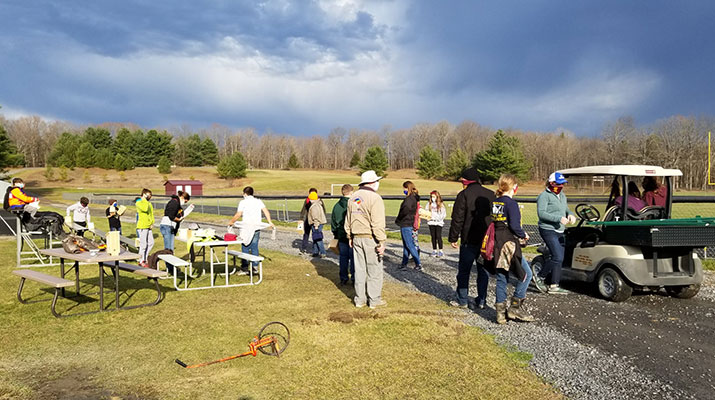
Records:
x=537, y=264
x=612, y=286
x=683, y=292
x=280, y=332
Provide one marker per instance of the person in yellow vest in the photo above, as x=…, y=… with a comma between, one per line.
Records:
x=17, y=199
x=145, y=213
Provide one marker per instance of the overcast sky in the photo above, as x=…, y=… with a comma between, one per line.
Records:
x=307, y=67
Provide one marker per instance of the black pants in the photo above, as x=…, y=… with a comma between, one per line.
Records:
x=436, y=232
x=80, y=232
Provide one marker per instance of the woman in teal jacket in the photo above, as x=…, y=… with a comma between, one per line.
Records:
x=554, y=214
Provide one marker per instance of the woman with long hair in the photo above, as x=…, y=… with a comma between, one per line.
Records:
x=438, y=212
x=407, y=219
x=508, y=236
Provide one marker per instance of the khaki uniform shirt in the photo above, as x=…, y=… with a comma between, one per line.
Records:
x=366, y=215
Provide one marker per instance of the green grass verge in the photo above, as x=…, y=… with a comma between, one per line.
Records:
x=415, y=348
x=709, y=264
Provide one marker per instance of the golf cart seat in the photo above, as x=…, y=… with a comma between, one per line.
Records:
x=652, y=212
x=615, y=213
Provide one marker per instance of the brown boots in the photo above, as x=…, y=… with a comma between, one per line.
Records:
x=517, y=312
x=501, y=313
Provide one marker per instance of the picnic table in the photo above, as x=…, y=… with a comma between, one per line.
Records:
x=102, y=259
x=216, y=261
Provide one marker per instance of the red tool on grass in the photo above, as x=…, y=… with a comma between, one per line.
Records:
x=271, y=340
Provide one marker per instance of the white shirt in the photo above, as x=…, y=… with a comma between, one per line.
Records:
x=80, y=213
x=251, y=208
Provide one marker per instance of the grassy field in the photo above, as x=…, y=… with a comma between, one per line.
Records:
x=415, y=348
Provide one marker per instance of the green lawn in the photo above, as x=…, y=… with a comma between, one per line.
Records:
x=414, y=348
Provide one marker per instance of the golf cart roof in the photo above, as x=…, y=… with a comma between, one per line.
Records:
x=627, y=170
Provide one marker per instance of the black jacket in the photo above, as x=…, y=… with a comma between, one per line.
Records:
x=408, y=209
x=471, y=215
x=173, y=210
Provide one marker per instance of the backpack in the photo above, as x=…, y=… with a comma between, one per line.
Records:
x=6, y=199
x=487, y=251
x=153, y=259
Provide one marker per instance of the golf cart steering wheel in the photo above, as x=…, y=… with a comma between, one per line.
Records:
x=587, y=213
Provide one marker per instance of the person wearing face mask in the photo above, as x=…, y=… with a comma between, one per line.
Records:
x=173, y=214
x=249, y=210
x=80, y=215
x=145, y=213
x=115, y=224
x=508, y=236
x=17, y=199
x=316, y=219
x=365, y=228
x=437, y=214
x=553, y=212
x=406, y=219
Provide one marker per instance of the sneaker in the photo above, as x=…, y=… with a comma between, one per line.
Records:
x=359, y=305
x=402, y=268
x=418, y=268
x=144, y=264
x=455, y=303
x=539, y=284
x=434, y=253
x=315, y=255
x=323, y=255
x=380, y=303
x=440, y=254
x=556, y=289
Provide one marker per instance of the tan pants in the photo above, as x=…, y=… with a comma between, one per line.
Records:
x=368, y=272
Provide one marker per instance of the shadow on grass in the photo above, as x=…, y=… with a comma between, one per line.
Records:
x=329, y=268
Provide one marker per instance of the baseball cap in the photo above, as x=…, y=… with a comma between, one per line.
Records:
x=557, y=178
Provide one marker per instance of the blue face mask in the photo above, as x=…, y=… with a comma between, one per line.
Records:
x=404, y=191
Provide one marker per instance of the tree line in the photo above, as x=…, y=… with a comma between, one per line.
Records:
x=437, y=150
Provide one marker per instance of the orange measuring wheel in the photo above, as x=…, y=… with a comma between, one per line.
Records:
x=272, y=340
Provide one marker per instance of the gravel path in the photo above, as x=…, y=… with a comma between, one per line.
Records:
x=650, y=347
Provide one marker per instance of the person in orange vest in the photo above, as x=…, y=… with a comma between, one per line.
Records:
x=16, y=198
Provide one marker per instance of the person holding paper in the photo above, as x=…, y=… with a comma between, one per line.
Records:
x=80, y=215
x=249, y=210
x=17, y=199
x=173, y=215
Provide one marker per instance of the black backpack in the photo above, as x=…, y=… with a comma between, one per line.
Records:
x=6, y=199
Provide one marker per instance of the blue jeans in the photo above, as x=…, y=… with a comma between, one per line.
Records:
x=347, y=259
x=468, y=254
x=409, y=247
x=318, y=245
x=168, y=233
x=520, y=290
x=252, y=248
x=117, y=230
x=557, y=247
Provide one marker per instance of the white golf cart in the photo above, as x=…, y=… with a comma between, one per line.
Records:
x=633, y=249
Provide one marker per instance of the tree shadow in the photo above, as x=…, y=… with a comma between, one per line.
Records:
x=329, y=268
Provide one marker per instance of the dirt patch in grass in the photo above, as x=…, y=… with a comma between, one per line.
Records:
x=75, y=384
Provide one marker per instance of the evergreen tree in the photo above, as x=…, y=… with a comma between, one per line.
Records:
x=122, y=163
x=104, y=158
x=64, y=152
x=502, y=155
x=164, y=165
x=85, y=155
x=99, y=138
x=209, y=152
x=430, y=164
x=232, y=167
x=8, y=152
x=355, y=161
x=456, y=164
x=188, y=151
x=293, y=162
x=376, y=160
